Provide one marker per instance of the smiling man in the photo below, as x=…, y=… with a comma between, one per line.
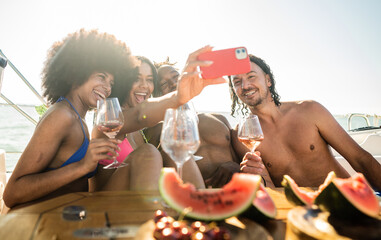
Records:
x=297, y=134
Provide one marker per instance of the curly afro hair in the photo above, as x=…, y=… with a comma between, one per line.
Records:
x=70, y=62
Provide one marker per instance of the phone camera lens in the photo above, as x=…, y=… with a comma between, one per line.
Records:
x=238, y=51
x=243, y=50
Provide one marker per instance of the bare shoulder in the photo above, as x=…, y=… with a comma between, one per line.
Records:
x=303, y=106
x=57, y=119
x=215, y=117
x=309, y=110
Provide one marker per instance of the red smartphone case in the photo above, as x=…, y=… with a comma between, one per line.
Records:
x=230, y=61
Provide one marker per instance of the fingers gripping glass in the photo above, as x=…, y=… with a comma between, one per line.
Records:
x=110, y=121
x=250, y=132
x=179, y=136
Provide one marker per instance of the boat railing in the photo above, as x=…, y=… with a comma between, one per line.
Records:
x=15, y=106
x=375, y=123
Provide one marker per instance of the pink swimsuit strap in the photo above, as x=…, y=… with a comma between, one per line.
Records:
x=125, y=150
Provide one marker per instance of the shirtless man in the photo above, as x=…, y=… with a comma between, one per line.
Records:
x=297, y=134
x=219, y=160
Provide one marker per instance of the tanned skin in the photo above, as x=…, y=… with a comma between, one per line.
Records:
x=219, y=160
x=298, y=136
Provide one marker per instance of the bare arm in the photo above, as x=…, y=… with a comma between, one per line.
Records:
x=150, y=112
x=29, y=181
x=342, y=142
x=225, y=170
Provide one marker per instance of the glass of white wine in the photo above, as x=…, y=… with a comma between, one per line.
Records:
x=191, y=111
x=179, y=137
x=250, y=132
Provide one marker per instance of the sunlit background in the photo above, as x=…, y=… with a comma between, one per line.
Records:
x=327, y=50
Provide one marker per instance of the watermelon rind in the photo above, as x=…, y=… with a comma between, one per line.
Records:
x=258, y=213
x=333, y=200
x=197, y=212
x=291, y=193
x=291, y=190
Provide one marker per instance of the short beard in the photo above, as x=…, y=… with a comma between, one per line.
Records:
x=258, y=101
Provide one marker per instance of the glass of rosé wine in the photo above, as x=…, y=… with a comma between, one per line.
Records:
x=250, y=132
x=109, y=121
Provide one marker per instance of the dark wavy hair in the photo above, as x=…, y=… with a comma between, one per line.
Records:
x=237, y=104
x=122, y=88
x=70, y=62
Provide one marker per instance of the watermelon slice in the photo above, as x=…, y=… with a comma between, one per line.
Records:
x=303, y=196
x=350, y=198
x=263, y=207
x=209, y=204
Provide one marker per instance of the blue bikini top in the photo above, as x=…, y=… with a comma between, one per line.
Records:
x=81, y=152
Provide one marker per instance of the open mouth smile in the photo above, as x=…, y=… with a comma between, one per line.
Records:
x=140, y=96
x=249, y=93
x=100, y=95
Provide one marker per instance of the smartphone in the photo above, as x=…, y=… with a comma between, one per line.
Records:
x=230, y=61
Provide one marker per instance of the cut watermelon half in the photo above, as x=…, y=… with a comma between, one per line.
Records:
x=303, y=196
x=349, y=197
x=263, y=207
x=209, y=204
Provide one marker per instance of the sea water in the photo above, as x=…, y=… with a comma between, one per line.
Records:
x=16, y=130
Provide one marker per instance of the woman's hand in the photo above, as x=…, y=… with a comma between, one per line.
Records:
x=99, y=149
x=190, y=83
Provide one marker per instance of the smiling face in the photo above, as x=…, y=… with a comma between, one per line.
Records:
x=143, y=87
x=168, y=77
x=98, y=87
x=252, y=88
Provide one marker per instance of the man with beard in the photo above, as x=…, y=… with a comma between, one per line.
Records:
x=297, y=134
x=219, y=160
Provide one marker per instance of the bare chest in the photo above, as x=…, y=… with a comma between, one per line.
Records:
x=287, y=149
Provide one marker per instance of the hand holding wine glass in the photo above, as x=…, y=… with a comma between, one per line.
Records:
x=250, y=132
x=110, y=121
x=179, y=137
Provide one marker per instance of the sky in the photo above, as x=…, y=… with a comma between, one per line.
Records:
x=328, y=50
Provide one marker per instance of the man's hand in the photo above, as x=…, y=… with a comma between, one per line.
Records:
x=222, y=175
x=252, y=163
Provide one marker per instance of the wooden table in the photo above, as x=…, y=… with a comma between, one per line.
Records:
x=44, y=220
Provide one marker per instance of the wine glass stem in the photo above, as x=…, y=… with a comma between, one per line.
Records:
x=255, y=147
x=115, y=161
x=180, y=170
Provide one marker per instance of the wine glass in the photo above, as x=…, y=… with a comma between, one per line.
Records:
x=179, y=137
x=109, y=121
x=189, y=107
x=250, y=132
